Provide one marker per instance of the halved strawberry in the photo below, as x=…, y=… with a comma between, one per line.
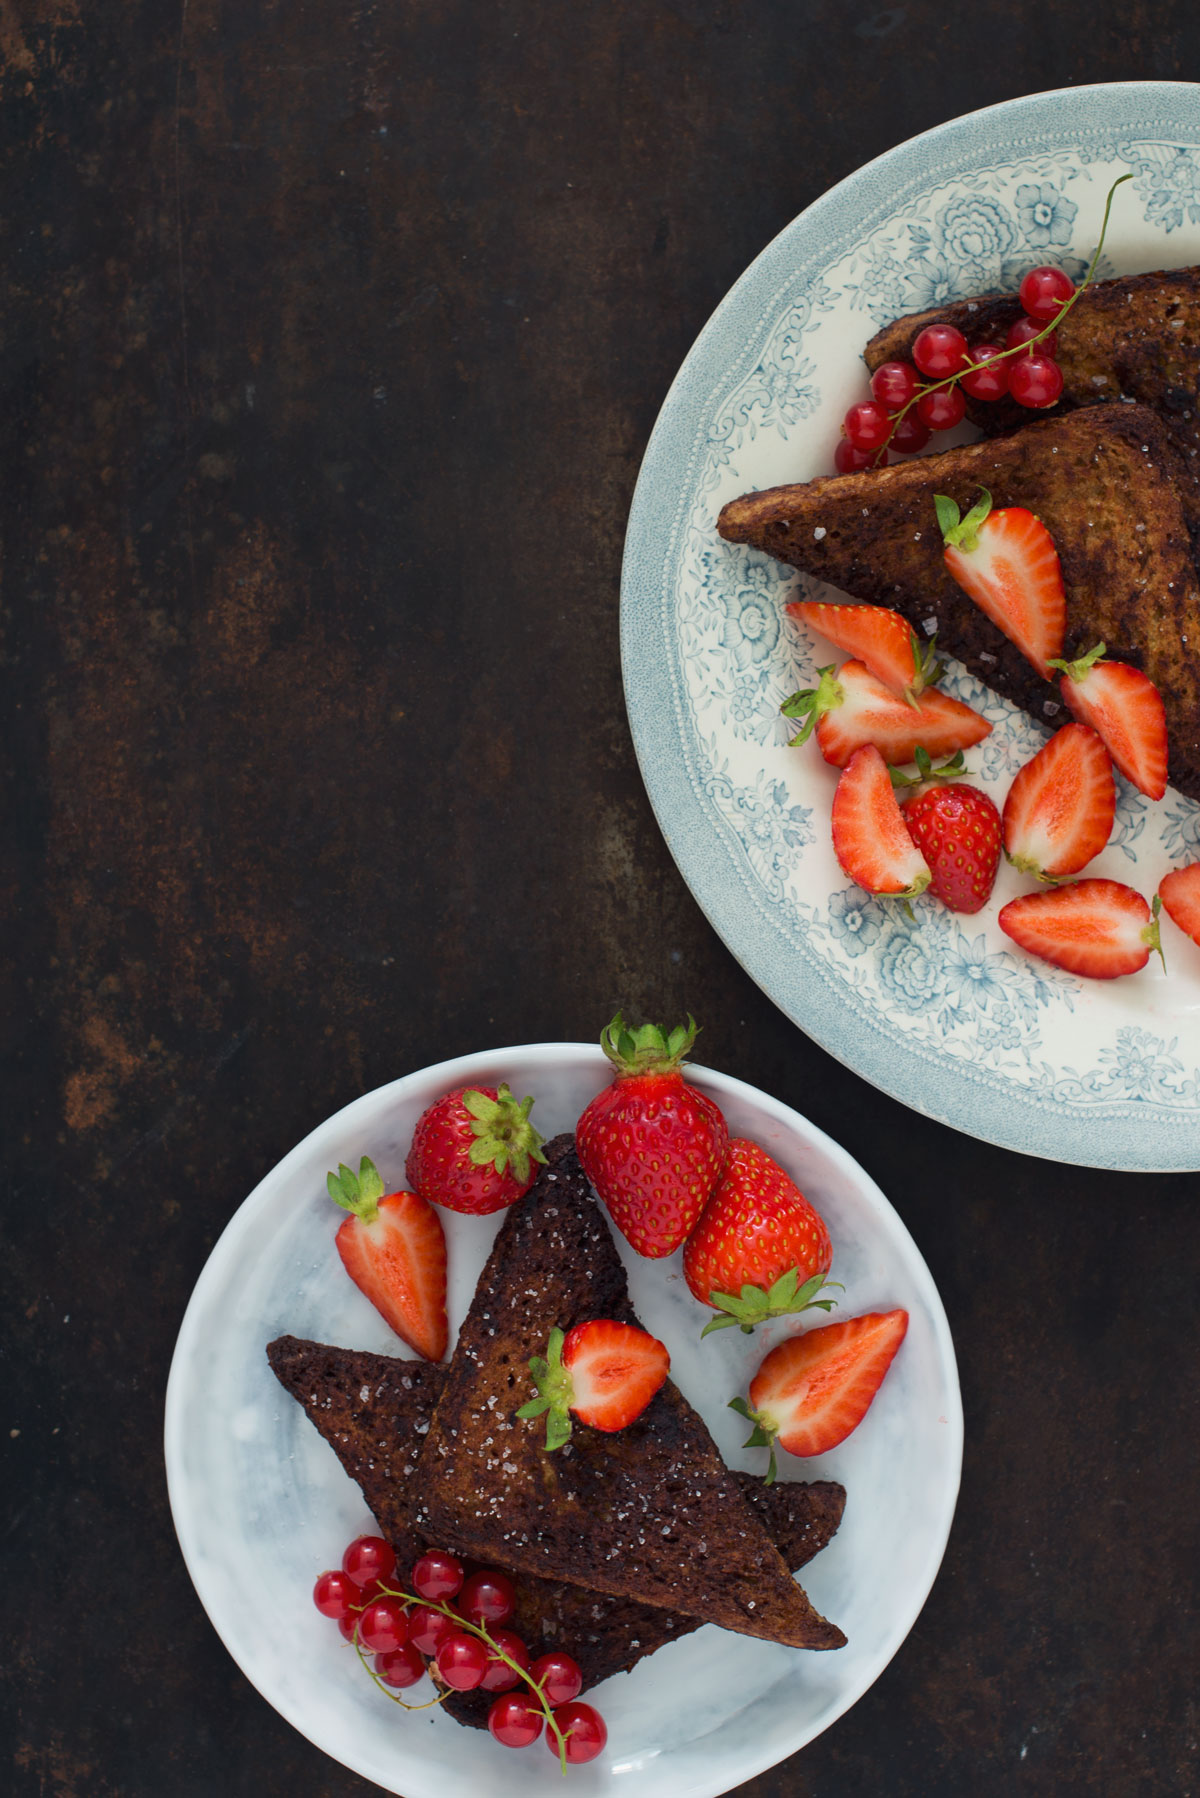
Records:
x=1060, y=808
x=1125, y=709
x=603, y=1371
x=394, y=1249
x=880, y=638
x=813, y=1390
x=870, y=838
x=1099, y=928
x=853, y=708
x=1180, y=893
x=1007, y=562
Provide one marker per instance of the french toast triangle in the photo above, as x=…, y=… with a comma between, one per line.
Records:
x=650, y=1512
x=374, y=1412
x=1104, y=482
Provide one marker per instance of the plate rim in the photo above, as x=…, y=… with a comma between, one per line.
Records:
x=264, y=1194
x=1123, y=1135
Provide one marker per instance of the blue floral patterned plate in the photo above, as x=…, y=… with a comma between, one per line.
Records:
x=945, y=1013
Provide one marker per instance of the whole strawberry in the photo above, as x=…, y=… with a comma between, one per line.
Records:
x=957, y=830
x=651, y=1145
x=473, y=1150
x=759, y=1249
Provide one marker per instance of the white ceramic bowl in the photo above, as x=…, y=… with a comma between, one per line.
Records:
x=261, y=1504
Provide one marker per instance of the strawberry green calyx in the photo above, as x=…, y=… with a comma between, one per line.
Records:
x=961, y=533
x=504, y=1136
x=649, y=1049
x=927, y=670
x=950, y=769
x=761, y=1436
x=556, y=1389
x=359, y=1193
x=756, y=1304
x=812, y=703
x=1150, y=936
x=1076, y=671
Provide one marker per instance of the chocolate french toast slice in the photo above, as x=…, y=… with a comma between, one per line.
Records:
x=1103, y=481
x=1136, y=338
x=374, y=1412
x=649, y=1513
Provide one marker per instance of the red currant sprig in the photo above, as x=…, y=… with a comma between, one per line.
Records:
x=904, y=410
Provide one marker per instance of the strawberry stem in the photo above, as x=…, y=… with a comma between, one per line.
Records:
x=1075, y=671
x=812, y=703
x=359, y=1193
x=761, y=1436
x=961, y=533
x=556, y=1389
x=504, y=1136
x=648, y=1049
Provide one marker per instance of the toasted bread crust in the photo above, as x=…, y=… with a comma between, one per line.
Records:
x=1103, y=480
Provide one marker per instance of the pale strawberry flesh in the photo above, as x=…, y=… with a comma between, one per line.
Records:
x=1013, y=575
x=1180, y=893
x=1100, y=929
x=1125, y=709
x=1060, y=808
x=870, y=838
x=814, y=1389
x=868, y=712
x=399, y=1262
x=615, y=1369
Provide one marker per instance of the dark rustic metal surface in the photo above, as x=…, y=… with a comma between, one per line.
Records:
x=332, y=338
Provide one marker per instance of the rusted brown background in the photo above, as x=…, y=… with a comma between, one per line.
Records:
x=332, y=338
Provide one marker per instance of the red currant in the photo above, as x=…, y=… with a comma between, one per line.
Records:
x=427, y=1628
x=941, y=409
x=462, y=1661
x=1021, y=332
x=383, y=1626
x=585, y=1730
x=939, y=350
x=348, y=1624
x=401, y=1666
x=1045, y=291
x=894, y=384
x=909, y=434
x=848, y=460
x=369, y=1558
x=515, y=1721
x=559, y=1677
x=1035, y=380
x=487, y=1597
x=334, y=1593
x=988, y=380
x=867, y=425
x=437, y=1575
x=500, y=1677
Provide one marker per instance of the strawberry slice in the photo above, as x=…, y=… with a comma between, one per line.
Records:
x=870, y=838
x=1125, y=709
x=394, y=1249
x=1007, y=562
x=1098, y=928
x=853, y=708
x=1060, y=808
x=813, y=1390
x=880, y=638
x=1180, y=893
x=603, y=1371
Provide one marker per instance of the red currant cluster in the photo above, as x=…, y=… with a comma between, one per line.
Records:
x=467, y=1643
x=905, y=411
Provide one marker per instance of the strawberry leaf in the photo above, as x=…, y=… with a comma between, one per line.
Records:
x=963, y=533
x=761, y=1436
x=811, y=703
x=359, y=1193
x=555, y=1392
x=756, y=1304
x=504, y=1136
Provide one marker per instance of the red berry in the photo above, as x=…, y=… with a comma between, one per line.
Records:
x=515, y=1721
x=500, y=1677
x=348, y=1624
x=867, y=425
x=848, y=460
x=1022, y=332
x=401, y=1666
x=584, y=1729
x=986, y=382
x=462, y=1661
x=334, y=1593
x=487, y=1597
x=427, y=1628
x=941, y=409
x=437, y=1576
x=1045, y=291
x=1035, y=380
x=383, y=1626
x=909, y=434
x=369, y=1558
x=939, y=350
x=894, y=384
x=559, y=1677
